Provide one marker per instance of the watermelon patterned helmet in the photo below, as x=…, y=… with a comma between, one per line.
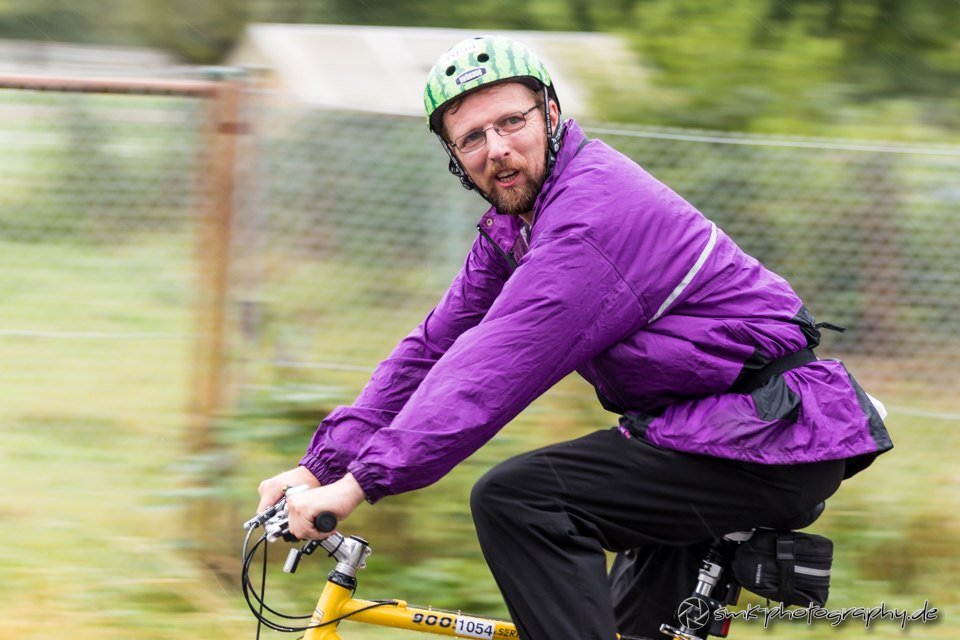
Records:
x=476, y=62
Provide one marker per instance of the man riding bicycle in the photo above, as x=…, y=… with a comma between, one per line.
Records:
x=584, y=262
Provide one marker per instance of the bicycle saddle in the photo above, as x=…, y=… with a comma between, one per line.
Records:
x=799, y=521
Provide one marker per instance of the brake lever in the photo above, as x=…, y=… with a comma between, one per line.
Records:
x=261, y=518
x=278, y=510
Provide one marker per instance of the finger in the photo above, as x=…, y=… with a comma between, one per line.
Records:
x=270, y=493
x=302, y=528
x=302, y=508
x=302, y=531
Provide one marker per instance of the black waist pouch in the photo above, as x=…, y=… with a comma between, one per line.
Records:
x=786, y=566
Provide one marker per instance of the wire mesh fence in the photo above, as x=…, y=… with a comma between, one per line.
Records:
x=347, y=229
x=105, y=192
x=356, y=229
x=100, y=196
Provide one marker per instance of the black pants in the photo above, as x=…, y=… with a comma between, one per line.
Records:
x=544, y=519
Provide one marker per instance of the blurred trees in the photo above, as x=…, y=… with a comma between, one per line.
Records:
x=199, y=32
x=800, y=66
x=778, y=64
x=850, y=67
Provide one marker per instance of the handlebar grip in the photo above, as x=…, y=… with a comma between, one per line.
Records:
x=325, y=522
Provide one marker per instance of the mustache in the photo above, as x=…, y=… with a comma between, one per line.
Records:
x=501, y=166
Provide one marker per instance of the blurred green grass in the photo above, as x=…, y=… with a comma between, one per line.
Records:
x=101, y=488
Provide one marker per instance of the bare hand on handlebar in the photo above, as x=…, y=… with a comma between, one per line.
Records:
x=339, y=498
x=272, y=489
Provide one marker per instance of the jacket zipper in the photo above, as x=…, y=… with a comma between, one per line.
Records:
x=506, y=256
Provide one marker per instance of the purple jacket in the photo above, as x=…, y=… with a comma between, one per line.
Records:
x=623, y=281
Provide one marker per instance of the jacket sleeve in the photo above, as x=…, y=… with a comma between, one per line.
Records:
x=565, y=303
x=344, y=431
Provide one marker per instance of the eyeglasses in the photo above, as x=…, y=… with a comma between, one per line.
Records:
x=505, y=126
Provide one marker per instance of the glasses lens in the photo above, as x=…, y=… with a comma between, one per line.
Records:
x=472, y=141
x=511, y=123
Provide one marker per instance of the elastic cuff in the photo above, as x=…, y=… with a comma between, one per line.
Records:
x=367, y=480
x=320, y=470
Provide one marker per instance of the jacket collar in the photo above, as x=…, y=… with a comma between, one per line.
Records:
x=571, y=141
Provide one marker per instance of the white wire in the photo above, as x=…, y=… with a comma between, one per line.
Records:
x=95, y=335
x=771, y=142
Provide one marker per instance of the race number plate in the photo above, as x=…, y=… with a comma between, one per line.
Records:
x=474, y=628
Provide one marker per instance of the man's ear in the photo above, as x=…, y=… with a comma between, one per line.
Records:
x=554, y=115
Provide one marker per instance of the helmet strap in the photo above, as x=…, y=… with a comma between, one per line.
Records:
x=455, y=167
x=553, y=138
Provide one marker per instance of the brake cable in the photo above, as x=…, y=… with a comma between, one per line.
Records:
x=249, y=590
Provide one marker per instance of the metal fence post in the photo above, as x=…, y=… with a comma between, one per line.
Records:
x=213, y=256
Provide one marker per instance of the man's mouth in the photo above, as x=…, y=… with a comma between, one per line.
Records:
x=507, y=178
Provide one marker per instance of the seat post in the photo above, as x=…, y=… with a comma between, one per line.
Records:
x=714, y=588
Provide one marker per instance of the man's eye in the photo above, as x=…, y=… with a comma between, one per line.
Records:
x=471, y=138
x=511, y=121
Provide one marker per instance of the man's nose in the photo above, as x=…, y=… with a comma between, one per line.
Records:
x=497, y=146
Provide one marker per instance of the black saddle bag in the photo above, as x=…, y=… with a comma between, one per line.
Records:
x=786, y=566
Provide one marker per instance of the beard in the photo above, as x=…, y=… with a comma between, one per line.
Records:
x=517, y=199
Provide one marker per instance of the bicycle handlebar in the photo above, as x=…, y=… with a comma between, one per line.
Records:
x=349, y=553
x=275, y=519
x=325, y=522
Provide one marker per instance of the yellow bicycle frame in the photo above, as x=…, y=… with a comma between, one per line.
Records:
x=336, y=602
